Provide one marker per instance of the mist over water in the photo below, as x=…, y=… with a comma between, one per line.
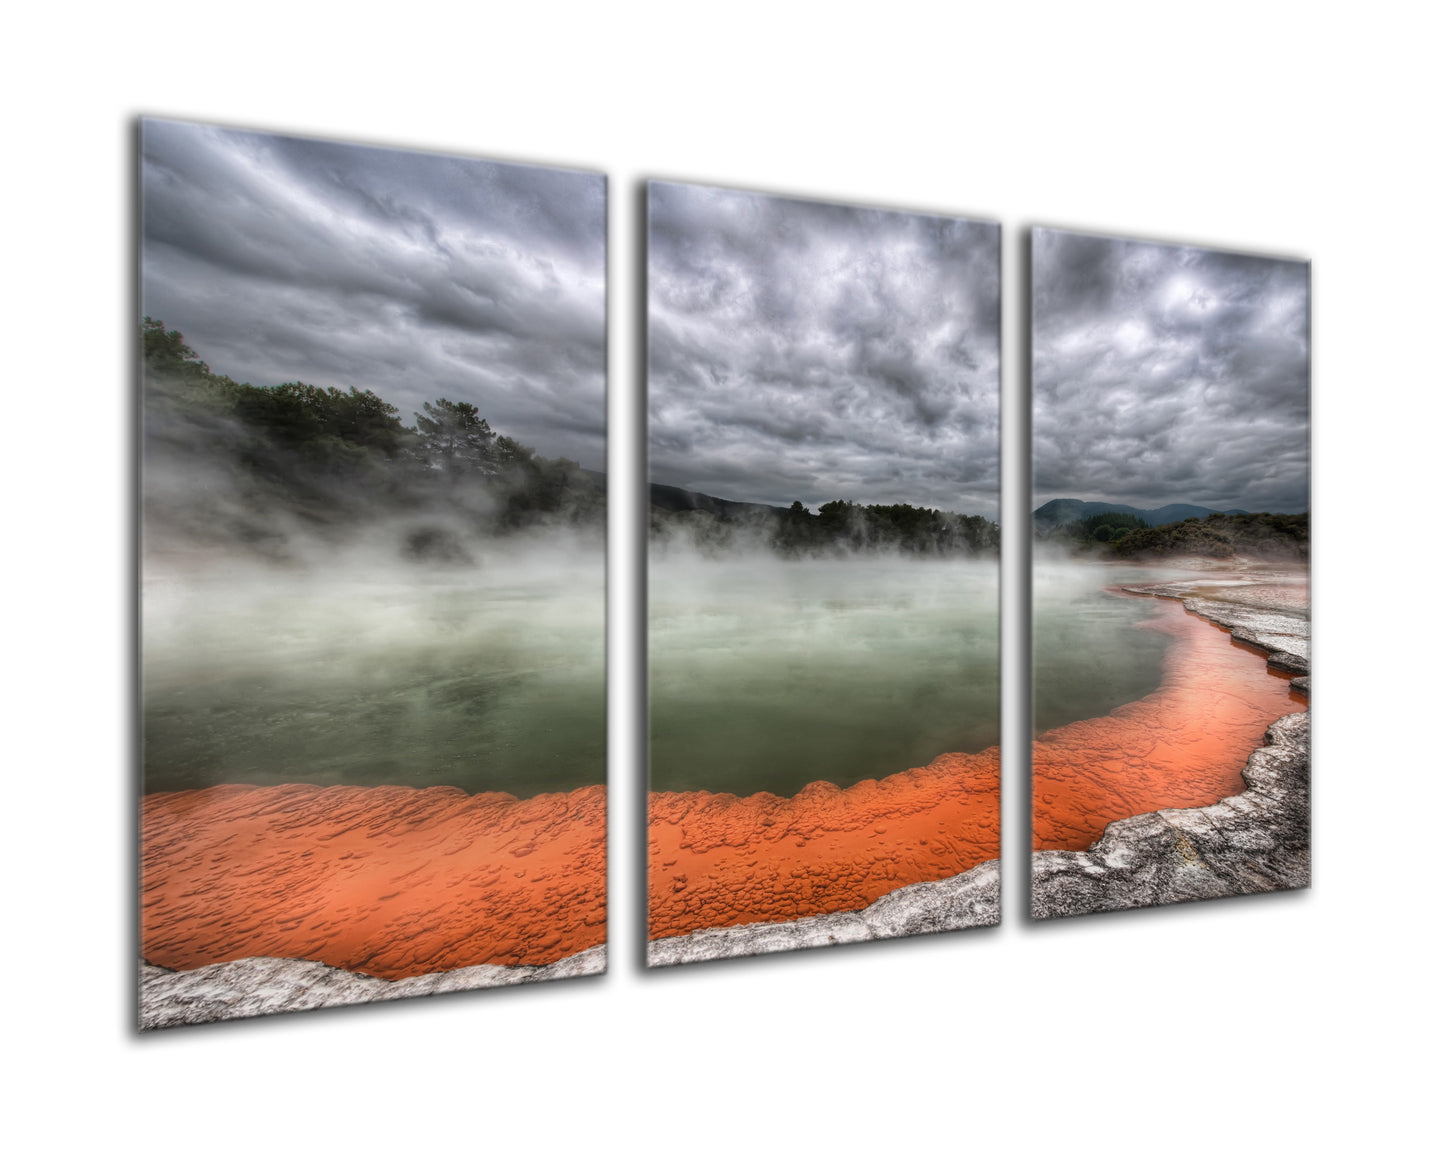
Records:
x=359, y=668
x=1089, y=655
x=766, y=674
x=331, y=597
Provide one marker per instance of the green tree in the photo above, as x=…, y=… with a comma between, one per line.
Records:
x=454, y=435
x=171, y=366
x=166, y=352
x=509, y=454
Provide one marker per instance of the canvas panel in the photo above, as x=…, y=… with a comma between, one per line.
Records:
x=372, y=573
x=1171, y=609
x=823, y=386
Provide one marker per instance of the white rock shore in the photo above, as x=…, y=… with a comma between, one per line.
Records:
x=257, y=986
x=1256, y=841
x=966, y=901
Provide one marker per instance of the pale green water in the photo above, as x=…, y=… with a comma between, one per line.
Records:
x=1089, y=655
x=768, y=674
x=765, y=675
x=486, y=679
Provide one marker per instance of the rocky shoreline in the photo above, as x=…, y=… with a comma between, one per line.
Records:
x=1255, y=841
x=968, y=900
x=259, y=986
x=1256, y=611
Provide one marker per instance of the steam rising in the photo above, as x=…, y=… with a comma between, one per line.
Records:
x=359, y=620
x=767, y=673
x=329, y=595
x=823, y=437
x=359, y=668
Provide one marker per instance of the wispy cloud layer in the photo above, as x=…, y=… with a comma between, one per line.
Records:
x=414, y=275
x=1164, y=373
x=806, y=351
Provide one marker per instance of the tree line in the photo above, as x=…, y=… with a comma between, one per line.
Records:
x=251, y=464
x=1101, y=528
x=1261, y=535
x=331, y=458
x=838, y=528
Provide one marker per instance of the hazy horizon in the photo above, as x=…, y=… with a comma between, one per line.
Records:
x=323, y=598
x=1038, y=504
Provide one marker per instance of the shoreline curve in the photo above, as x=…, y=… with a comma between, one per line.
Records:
x=1256, y=840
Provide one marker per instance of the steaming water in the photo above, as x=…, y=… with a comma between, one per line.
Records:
x=768, y=674
x=764, y=674
x=490, y=678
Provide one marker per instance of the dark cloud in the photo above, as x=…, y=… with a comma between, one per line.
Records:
x=804, y=351
x=411, y=274
x=1167, y=374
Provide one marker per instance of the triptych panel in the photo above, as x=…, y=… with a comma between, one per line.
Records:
x=373, y=566
x=823, y=578
x=372, y=573
x=1171, y=574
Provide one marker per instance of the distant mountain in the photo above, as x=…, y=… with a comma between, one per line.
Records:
x=670, y=498
x=1064, y=511
x=1262, y=535
x=673, y=499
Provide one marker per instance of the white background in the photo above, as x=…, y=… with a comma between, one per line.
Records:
x=1276, y=128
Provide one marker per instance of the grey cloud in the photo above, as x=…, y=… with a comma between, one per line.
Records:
x=411, y=274
x=809, y=351
x=1164, y=373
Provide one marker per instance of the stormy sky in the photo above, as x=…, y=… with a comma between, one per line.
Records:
x=1164, y=373
x=414, y=275
x=806, y=351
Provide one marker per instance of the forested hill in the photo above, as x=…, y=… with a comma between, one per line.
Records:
x=1064, y=511
x=226, y=463
x=1259, y=535
x=669, y=498
x=1119, y=530
x=277, y=469
x=719, y=527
